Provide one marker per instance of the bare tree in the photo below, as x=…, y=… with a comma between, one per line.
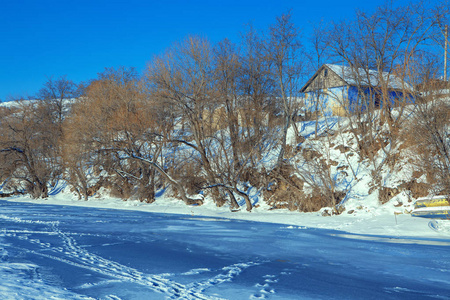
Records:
x=228, y=66
x=317, y=57
x=431, y=131
x=184, y=77
x=58, y=93
x=440, y=15
x=28, y=148
x=284, y=53
x=258, y=91
x=123, y=133
x=427, y=130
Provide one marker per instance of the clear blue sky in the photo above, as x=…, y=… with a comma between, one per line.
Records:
x=79, y=38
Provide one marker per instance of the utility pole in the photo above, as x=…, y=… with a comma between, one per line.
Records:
x=445, y=52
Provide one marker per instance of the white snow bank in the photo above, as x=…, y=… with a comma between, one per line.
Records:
x=361, y=217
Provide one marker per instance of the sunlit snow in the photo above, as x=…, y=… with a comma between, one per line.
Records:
x=66, y=252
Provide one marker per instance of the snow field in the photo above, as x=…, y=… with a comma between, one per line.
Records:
x=64, y=252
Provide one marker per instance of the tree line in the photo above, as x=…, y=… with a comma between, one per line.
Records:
x=213, y=119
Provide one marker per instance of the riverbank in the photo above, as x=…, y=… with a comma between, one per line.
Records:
x=365, y=217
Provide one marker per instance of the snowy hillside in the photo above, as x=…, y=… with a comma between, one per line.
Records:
x=323, y=156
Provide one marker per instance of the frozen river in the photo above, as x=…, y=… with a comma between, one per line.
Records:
x=82, y=253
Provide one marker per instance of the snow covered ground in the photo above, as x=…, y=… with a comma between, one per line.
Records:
x=167, y=250
x=361, y=217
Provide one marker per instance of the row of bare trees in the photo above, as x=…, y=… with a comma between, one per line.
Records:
x=214, y=118
x=200, y=118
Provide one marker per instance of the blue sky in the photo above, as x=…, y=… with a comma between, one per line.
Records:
x=80, y=38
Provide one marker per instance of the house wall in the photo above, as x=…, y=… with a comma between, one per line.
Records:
x=325, y=79
x=327, y=102
x=217, y=120
x=393, y=98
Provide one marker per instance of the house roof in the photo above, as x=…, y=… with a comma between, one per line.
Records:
x=361, y=77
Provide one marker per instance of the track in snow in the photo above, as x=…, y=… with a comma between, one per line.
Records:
x=69, y=252
x=81, y=253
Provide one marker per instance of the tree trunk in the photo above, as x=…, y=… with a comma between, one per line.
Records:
x=287, y=123
x=176, y=184
x=233, y=202
x=248, y=202
x=39, y=190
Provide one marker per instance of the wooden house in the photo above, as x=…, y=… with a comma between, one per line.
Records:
x=338, y=90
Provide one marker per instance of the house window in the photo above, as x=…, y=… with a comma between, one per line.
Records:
x=377, y=100
x=325, y=73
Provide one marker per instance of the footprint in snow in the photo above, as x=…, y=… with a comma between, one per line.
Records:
x=265, y=288
x=257, y=296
